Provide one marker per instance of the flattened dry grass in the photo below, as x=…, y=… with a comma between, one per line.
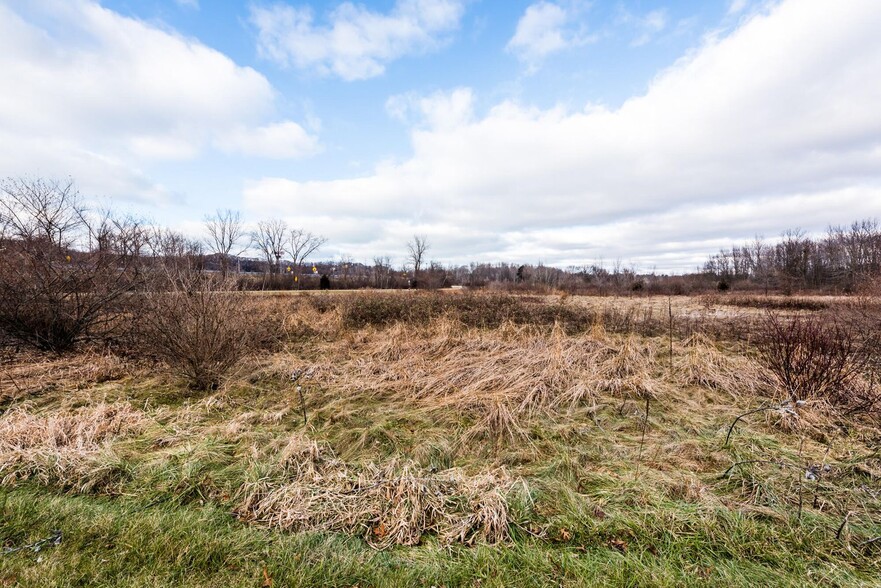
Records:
x=64, y=449
x=390, y=504
x=30, y=374
x=499, y=377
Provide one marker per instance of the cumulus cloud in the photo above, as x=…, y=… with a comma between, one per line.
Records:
x=774, y=125
x=544, y=28
x=356, y=43
x=93, y=94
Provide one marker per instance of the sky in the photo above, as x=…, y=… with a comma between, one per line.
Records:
x=648, y=133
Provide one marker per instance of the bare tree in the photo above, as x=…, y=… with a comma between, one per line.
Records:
x=416, y=249
x=301, y=244
x=270, y=238
x=49, y=212
x=176, y=250
x=345, y=266
x=225, y=231
x=382, y=272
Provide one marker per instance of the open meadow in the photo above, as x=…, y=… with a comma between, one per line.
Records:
x=457, y=439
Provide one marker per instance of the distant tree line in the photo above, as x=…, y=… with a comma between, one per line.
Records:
x=52, y=245
x=842, y=260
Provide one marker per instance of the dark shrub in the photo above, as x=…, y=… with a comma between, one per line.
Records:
x=198, y=327
x=816, y=357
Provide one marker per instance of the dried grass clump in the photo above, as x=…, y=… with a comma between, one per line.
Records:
x=69, y=449
x=705, y=366
x=392, y=504
x=313, y=315
x=627, y=370
x=497, y=423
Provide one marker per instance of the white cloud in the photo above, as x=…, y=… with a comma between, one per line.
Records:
x=441, y=110
x=356, y=43
x=93, y=94
x=282, y=140
x=773, y=125
x=543, y=29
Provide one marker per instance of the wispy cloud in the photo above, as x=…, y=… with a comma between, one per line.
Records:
x=644, y=27
x=545, y=28
x=356, y=43
x=737, y=6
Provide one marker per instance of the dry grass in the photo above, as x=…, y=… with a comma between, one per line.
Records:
x=389, y=504
x=447, y=365
x=705, y=366
x=426, y=430
x=31, y=374
x=63, y=448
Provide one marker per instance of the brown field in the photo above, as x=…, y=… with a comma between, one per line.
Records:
x=529, y=430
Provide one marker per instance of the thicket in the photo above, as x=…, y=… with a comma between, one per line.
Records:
x=198, y=327
x=818, y=356
x=64, y=274
x=70, y=277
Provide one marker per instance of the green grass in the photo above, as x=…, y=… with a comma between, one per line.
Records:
x=127, y=542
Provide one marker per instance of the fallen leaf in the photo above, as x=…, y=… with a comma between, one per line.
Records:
x=267, y=581
x=619, y=544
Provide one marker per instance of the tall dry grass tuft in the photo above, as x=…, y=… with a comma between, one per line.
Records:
x=71, y=450
x=704, y=365
x=389, y=504
x=626, y=370
x=497, y=423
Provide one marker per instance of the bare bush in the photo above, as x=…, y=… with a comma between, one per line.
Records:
x=816, y=357
x=198, y=327
x=63, y=275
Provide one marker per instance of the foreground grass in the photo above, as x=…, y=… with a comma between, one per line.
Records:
x=123, y=542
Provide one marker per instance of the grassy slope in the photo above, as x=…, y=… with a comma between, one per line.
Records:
x=152, y=505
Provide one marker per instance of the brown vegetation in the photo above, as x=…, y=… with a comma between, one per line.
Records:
x=198, y=327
